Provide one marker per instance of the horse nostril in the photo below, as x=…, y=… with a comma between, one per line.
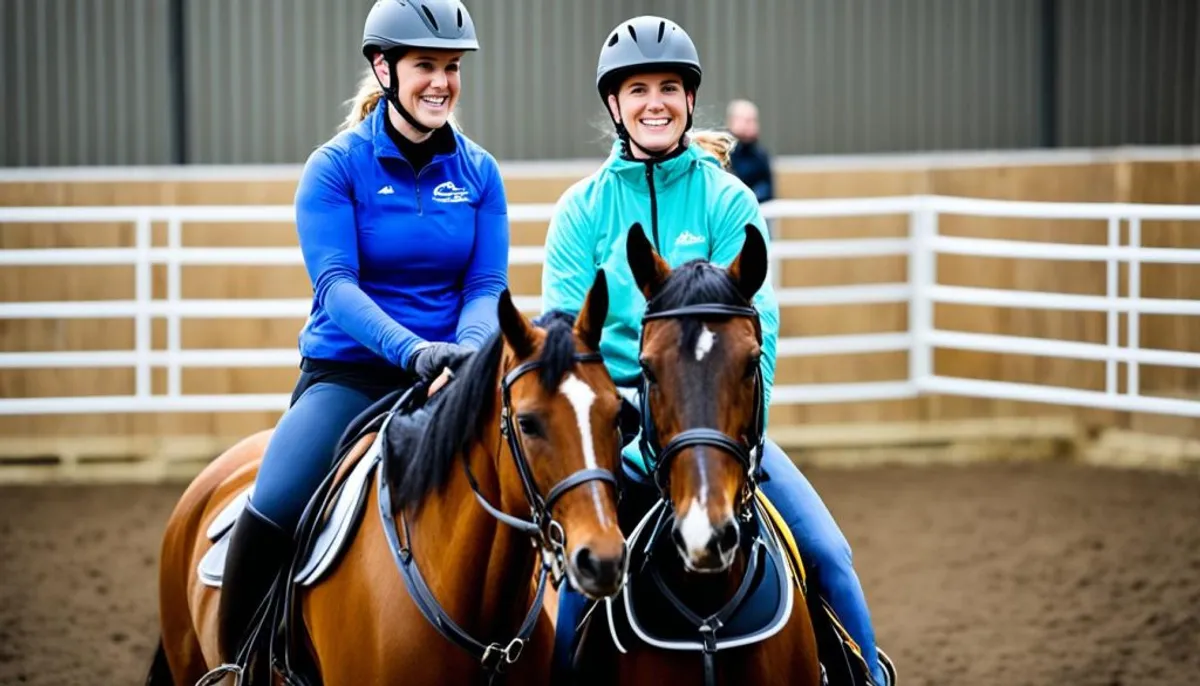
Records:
x=729, y=536
x=678, y=538
x=598, y=570
x=585, y=563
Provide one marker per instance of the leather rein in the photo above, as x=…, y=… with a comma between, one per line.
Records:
x=547, y=535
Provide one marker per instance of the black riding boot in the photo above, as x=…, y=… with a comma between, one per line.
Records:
x=258, y=550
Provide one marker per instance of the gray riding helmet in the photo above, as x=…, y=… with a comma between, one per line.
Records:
x=644, y=43
x=435, y=24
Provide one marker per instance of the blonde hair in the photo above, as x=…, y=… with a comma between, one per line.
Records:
x=367, y=99
x=719, y=144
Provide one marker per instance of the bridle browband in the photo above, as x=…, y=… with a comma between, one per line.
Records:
x=541, y=526
x=748, y=453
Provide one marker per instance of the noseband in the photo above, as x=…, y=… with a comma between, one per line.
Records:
x=747, y=453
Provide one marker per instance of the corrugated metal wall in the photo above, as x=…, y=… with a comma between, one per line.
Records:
x=267, y=77
x=90, y=81
x=1130, y=72
x=84, y=82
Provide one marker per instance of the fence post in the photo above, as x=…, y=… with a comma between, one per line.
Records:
x=174, y=297
x=922, y=275
x=1132, y=382
x=1113, y=292
x=143, y=294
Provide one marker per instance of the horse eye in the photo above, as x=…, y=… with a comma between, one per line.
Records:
x=530, y=426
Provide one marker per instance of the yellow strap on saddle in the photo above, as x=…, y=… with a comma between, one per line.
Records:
x=795, y=562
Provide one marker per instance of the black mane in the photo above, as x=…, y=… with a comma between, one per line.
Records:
x=421, y=447
x=698, y=282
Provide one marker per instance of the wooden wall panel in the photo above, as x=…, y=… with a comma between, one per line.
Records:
x=1158, y=182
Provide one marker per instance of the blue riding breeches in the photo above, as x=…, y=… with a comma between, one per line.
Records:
x=822, y=544
x=328, y=396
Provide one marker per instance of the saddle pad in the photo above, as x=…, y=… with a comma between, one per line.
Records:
x=336, y=530
x=343, y=518
x=229, y=514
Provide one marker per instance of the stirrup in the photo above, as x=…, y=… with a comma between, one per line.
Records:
x=216, y=674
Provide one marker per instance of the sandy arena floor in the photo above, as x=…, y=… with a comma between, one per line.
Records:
x=1001, y=574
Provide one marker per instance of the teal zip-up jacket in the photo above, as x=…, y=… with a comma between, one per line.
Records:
x=688, y=206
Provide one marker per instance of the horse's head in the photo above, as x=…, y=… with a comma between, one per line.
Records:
x=561, y=420
x=702, y=391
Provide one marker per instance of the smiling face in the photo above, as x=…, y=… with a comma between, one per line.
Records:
x=427, y=85
x=654, y=108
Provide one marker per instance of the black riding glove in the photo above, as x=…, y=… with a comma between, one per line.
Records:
x=429, y=361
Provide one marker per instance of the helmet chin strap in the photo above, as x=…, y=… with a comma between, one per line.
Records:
x=392, y=92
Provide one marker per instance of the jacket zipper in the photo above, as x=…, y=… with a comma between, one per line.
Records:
x=653, y=205
x=417, y=186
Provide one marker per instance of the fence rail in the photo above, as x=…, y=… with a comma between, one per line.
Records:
x=921, y=291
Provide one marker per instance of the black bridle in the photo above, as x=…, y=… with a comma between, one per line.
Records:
x=541, y=524
x=658, y=458
x=747, y=453
x=547, y=533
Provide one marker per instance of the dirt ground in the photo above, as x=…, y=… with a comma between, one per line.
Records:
x=997, y=574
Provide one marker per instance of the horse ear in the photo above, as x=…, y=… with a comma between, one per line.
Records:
x=515, y=327
x=589, y=325
x=649, y=270
x=749, y=270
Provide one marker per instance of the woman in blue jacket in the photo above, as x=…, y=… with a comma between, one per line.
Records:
x=657, y=174
x=403, y=225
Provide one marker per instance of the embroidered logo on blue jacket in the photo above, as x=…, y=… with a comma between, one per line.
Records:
x=448, y=192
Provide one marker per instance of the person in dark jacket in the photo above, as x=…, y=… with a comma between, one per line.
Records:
x=749, y=161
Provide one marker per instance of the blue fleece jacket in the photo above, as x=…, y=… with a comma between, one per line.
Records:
x=397, y=258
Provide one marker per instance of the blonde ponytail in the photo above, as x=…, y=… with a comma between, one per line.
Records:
x=719, y=144
x=367, y=99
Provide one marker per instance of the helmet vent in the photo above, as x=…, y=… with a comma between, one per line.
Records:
x=662, y=28
x=613, y=39
x=460, y=18
x=631, y=31
x=432, y=20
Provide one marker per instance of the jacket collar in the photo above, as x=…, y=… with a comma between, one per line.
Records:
x=666, y=171
x=375, y=128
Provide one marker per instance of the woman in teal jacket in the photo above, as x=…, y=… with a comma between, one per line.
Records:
x=659, y=175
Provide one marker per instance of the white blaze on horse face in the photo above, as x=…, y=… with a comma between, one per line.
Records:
x=695, y=529
x=581, y=396
x=704, y=344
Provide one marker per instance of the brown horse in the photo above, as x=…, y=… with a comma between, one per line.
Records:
x=440, y=574
x=703, y=543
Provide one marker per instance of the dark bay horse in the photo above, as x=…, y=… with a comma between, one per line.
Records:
x=520, y=447
x=702, y=542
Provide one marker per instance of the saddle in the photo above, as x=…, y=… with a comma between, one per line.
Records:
x=326, y=527
x=338, y=505
x=761, y=607
x=334, y=528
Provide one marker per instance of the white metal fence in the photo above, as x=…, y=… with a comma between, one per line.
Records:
x=921, y=291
